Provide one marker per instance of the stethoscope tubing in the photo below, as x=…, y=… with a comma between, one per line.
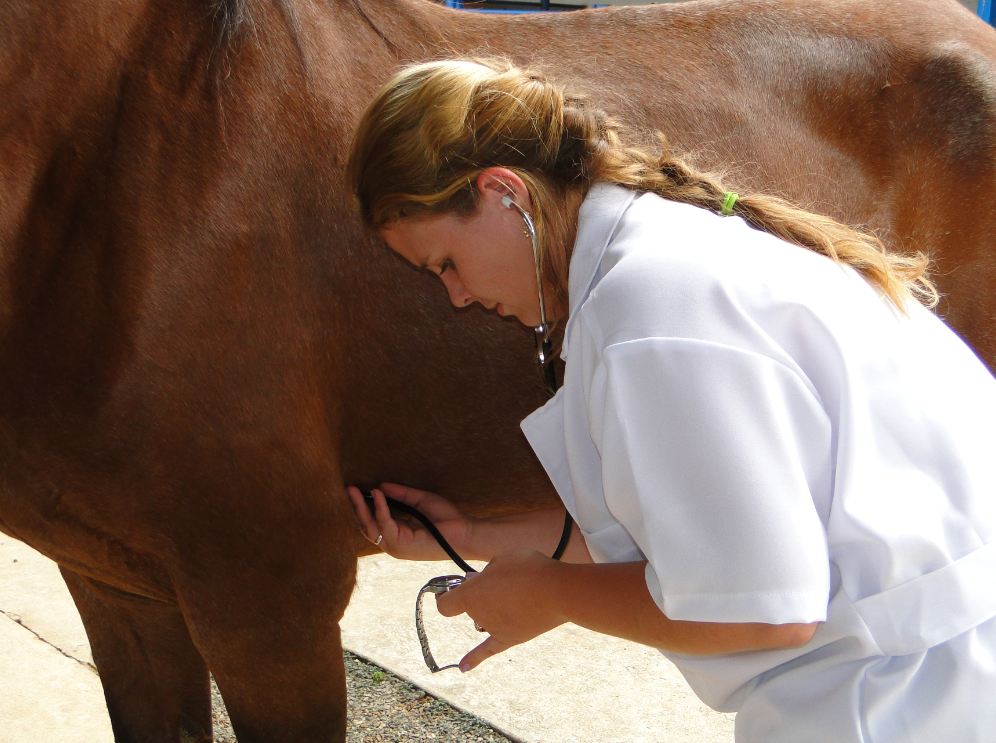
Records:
x=430, y=527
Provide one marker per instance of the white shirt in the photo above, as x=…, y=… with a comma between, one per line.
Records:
x=782, y=445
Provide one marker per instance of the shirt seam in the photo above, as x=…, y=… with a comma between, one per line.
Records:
x=609, y=349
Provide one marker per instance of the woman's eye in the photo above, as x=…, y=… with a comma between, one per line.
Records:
x=445, y=265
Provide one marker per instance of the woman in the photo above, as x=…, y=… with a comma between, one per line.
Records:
x=780, y=462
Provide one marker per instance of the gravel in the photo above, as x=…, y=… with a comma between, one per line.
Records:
x=382, y=708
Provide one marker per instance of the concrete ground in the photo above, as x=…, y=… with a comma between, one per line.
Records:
x=569, y=685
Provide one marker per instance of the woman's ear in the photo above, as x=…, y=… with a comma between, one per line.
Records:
x=503, y=183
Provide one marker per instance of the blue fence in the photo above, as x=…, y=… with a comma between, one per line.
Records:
x=985, y=8
x=543, y=6
x=986, y=11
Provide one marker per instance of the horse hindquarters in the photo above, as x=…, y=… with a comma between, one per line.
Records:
x=155, y=682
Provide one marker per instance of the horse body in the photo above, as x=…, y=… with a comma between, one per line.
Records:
x=198, y=347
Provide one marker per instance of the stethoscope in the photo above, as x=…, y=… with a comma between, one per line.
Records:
x=542, y=331
x=444, y=583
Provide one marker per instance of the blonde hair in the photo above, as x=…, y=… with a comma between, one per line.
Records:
x=436, y=125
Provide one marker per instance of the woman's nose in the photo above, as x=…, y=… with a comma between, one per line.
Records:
x=459, y=296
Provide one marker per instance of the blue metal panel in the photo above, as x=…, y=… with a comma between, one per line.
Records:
x=541, y=6
x=986, y=11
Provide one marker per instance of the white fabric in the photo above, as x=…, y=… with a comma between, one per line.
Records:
x=782, y=445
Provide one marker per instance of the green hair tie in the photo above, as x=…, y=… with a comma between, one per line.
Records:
x=728, y=202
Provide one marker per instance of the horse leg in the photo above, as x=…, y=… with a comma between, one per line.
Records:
x=265, y=614
x=155, y=682
x=288, y=688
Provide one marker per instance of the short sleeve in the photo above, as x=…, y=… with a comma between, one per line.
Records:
x=710, y=458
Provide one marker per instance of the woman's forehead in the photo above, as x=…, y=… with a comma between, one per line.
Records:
x=420, y=227
x=406, y=239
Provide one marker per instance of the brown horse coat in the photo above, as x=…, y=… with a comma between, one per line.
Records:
x=198, y=347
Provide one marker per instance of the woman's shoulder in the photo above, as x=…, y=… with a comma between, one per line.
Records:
x=674, y=266
x=674, y=270
x=661, y=240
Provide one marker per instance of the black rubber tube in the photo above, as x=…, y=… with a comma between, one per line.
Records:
x=454, y=556
x=405, y=508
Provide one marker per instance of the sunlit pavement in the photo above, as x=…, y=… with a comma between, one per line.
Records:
x=569, y=685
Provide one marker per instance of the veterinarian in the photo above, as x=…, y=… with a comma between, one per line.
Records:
x=781, y=463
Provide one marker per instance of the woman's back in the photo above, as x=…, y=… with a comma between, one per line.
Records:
x=698, y=324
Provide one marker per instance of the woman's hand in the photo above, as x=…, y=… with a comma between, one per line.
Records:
x=508, y=600
x=408, y=539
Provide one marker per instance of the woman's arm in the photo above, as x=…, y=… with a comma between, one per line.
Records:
x=522, y=595
x=613, y=598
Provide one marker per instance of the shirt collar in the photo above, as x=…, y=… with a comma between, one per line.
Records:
x=600, y=212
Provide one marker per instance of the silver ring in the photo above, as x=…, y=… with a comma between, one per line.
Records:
x=378, y=540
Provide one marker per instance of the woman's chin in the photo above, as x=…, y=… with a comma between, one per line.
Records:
x=507, y=313
x=504, y=311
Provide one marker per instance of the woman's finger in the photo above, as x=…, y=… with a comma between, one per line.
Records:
x=362, y=511
x=432, y=505
x=487, y=649
x=405, y=494
x=453, y=603
x=386, y=524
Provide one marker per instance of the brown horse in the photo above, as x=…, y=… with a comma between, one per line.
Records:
x=198, y=347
